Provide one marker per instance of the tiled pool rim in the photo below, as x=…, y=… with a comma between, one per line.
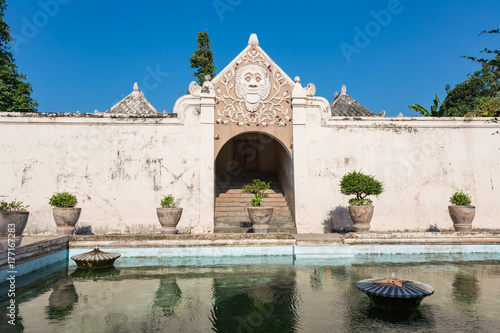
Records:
x=38, y=254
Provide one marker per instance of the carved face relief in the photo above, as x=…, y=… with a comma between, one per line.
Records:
x=253, y=84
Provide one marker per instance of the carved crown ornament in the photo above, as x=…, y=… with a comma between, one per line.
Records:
x=253, y=92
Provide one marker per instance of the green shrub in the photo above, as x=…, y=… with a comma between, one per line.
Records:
x=360, y=185
x=257, y=188
x=168, y=201
x=13, y=206
x=460, y=198
x=63, y=200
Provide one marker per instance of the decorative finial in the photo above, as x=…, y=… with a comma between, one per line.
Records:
x=335, y=95
x=344, y=89
x=136, y=87
x=208, y=78
x=297, y=79
x=253, y=41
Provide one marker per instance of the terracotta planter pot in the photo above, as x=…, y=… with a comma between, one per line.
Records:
x=169, y=218
x=462, y=217
x=260, y=217
x=66, y=219
x=361, y=217
x=19, y=219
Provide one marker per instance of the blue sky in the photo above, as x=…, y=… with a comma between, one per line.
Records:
x=86, y=55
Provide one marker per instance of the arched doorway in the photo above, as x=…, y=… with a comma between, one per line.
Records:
x=241, y=159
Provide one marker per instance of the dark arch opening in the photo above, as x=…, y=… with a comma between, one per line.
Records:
x=251, y=156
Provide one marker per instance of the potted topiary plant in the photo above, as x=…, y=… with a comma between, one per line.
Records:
x=13, y=219
x=65, y=213
x=260, y=216
x=168, y=215
x=360, y=208
x=461, y=211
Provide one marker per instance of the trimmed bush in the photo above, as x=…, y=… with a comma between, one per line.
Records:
x=360, y=185
x=257, y=187
x=13, y=206
x=168, y=201
x=63, y=200
x=460, y=198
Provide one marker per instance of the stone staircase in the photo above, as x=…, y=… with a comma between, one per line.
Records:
x=231, y=204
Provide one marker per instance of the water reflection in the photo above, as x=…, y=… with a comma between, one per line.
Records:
x=256, y=298
x=250, y=301
x=62, y=300
x=465, y=289
x=167, y=296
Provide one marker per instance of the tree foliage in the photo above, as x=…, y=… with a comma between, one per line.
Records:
x=258, y=188
x=168, y=201
x=435, y=111
x=460, y=198
x=63, y=200
x=361, y=185
x=480, y=86
x=15, y=92
x=203, y=58
x=476, y=96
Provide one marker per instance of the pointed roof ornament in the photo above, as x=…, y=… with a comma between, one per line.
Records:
x=133, y=104
x=253, y=40
x=344, y=89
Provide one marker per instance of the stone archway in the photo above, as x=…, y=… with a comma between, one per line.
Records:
x=248, y=156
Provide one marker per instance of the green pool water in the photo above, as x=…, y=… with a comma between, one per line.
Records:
x=254, y=297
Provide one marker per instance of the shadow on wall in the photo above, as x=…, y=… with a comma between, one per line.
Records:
x=84, y=230
x=338, y=220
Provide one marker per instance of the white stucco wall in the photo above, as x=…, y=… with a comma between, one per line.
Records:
x=421, y=162
x=118, y=167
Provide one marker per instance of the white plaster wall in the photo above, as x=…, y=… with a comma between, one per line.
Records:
x=119, y=168
x=421, y=162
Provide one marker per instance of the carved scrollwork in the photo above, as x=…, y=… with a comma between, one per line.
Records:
x=253, y=92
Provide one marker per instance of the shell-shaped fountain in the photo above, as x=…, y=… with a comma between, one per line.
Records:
x=95, y=259
x=395, y=294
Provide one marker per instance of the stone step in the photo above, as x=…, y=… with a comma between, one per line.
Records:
x=221, y=209
x=246, y=203
x=248, y=224
x=244, y=213
x=246, y=218
x=271, y=230
x=247, y=199
x=239, y=194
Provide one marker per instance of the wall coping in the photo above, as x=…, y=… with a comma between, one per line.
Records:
x=409, y=122
x=87, y=118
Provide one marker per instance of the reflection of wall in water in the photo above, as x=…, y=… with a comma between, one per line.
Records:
x=252, y=300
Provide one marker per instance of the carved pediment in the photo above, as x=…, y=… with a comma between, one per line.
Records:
x=253, y=91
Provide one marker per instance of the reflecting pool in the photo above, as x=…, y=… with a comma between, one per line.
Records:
x=268, y=295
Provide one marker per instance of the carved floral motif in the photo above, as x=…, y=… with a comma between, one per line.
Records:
x=253, y=92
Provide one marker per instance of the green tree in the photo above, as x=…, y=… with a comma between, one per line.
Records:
x=480, y=86
x=203, y=58
x=15, y=92
x=434, y=112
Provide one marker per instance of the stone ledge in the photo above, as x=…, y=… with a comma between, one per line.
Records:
x=474, y=237
x=33, y=248
x=181, y=240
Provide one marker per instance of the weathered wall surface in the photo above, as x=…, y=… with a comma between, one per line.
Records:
x=421, y=162
x=118, y=167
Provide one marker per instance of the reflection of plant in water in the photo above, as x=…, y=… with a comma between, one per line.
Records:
x=317, y=277
x=168, y=296
x=465, y=288
x=61, y=301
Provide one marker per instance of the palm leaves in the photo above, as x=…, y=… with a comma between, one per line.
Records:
x=434, y=112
